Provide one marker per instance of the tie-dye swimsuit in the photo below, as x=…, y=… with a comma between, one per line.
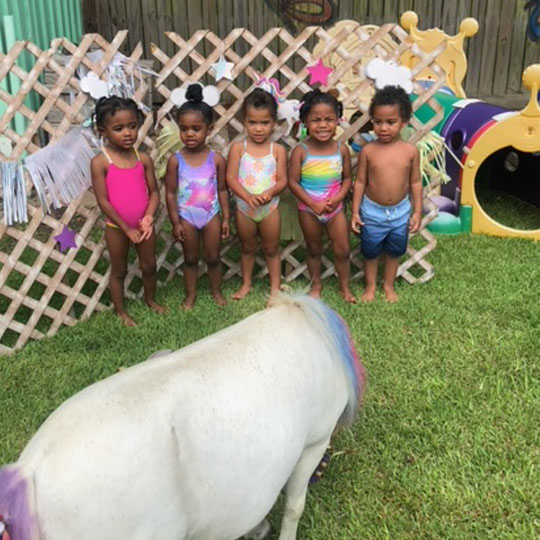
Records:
x=256, y=175
x=320, y=178
x=198, y=200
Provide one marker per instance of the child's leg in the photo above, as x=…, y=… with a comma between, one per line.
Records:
x=118, y=246
x=270, y=228
x=391, y=265
x=313, y=229
x=211, y=235
x=247, y=233
x=338, y=232
x=191, y=263
x=146, y=251
x=370, y=278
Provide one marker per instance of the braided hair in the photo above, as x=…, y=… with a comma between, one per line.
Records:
x=109, y=106
x=315, y=97
x=195, y=103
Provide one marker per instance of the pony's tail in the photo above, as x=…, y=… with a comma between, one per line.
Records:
x=16, y=498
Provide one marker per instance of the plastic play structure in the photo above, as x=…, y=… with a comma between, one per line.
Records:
x=487, y=146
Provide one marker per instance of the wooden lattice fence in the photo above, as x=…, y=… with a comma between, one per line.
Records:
x=41, y=288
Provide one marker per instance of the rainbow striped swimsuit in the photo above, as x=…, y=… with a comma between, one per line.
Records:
x=320, y=178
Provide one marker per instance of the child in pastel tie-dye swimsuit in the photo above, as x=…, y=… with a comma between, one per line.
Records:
x=257, y=174
x=320, y=178
x=196, y=190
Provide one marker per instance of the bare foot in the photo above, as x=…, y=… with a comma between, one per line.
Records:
x=315, y=291
x=189, y=302
x=369, y=294
x=126, y=319
x=219, y=298
x=242, y=292
x=348, y=296
x=390, y=293
x=154, y=306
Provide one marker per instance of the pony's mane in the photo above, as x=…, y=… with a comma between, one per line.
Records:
x=334, y=330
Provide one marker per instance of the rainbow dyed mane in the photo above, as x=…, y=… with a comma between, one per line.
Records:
x=334, y=329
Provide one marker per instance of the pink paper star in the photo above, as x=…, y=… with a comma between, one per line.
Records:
x=66, y=239
x=319, y=73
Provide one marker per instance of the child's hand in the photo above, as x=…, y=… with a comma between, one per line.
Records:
x=225, y=229
x=253, y=201
x=134, y=235
x=414, y=222
x=318, y=207
x=266, y=196
x=331, y=204
x=146, y=222
x=146, y=226
x=178, y=231
x=356, y=223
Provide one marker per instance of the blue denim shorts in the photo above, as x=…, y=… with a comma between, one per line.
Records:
x=385, y=229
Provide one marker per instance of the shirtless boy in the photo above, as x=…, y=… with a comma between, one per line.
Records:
x=388, y=176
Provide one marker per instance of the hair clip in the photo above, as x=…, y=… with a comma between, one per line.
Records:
x=210, y=94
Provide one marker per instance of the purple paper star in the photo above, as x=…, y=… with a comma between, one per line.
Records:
x=319, y=73
x=66, y=239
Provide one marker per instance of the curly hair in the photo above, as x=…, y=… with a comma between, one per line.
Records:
x=260, y=99
x=315, y=97
x=392, y=95
x=195, y=103
x=109, y=106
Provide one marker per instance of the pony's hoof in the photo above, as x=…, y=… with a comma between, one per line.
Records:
x=260, y=532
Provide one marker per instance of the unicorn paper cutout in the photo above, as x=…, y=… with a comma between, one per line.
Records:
x=196, y=444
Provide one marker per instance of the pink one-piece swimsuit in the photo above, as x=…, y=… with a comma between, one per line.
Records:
x=127, y=191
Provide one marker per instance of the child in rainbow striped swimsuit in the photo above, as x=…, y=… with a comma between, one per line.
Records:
x=320, y=178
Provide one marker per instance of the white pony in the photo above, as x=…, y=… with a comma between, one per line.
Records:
x=196, y=444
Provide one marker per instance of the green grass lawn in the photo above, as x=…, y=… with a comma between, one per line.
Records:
x=447, y=444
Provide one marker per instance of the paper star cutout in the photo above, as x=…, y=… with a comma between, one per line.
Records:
x=319, y=73
x=66, y=239
x=222, y=69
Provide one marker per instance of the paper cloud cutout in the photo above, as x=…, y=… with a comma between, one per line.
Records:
x=93, y=85
x=389, y=74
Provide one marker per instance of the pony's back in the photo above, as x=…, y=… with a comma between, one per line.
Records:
x=198, y=443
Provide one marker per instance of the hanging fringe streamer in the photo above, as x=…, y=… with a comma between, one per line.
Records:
x=167, y=142
x=432, y=158
x=13, y=192
x=61, y=171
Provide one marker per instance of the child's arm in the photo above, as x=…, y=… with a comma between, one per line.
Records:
x=416, y=192
x=333, y=202
x=281, y=175
x=171, y=189
x=98, y=169
x=147, y=222
x=233, y=163
x=223, y=195
x=358, y=190
x=295, y=167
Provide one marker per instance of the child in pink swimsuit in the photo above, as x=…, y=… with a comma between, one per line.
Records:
x=257, y=174
x=126, y=191
x=320, y=178
x=196, y=192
